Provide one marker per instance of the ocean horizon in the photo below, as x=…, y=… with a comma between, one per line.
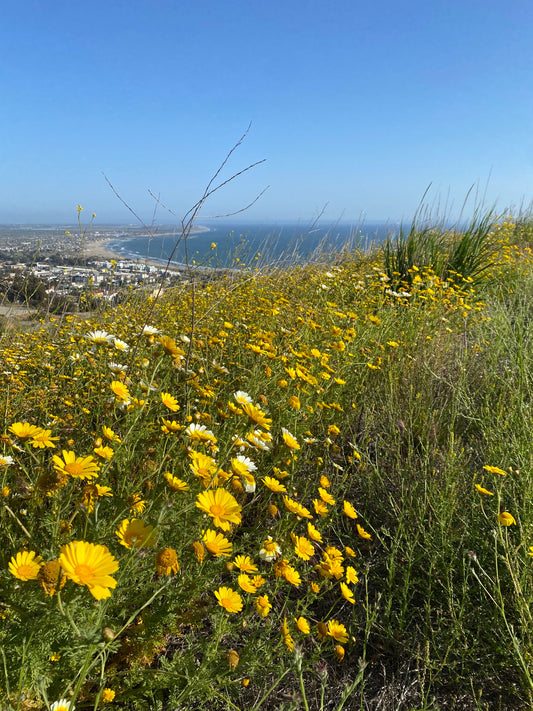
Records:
x=265, y=244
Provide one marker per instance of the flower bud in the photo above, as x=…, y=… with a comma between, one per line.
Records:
x=108, y=634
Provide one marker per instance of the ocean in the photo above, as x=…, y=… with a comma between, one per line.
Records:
x=259, y=244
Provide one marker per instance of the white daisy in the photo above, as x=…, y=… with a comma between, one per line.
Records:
x=62, y=705
x=117, y=367
x=241, y=397
x=121, y=345
x=246, y=463
x=99, y=337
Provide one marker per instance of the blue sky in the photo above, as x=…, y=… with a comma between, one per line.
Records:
x=356, y=106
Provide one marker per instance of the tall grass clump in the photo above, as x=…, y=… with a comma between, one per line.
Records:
x=301, y=487
x=463, y=253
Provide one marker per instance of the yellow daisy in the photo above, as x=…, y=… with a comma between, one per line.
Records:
x=351, y=575
x=273, y=484
x=337, y=630
x=320, y=507
x=230, y=600
x=104, y=452
x=25, y=565
x=135, y=534
x=296, y=508
x=347, y=593
x=121, y=391
x=339, y=652
x=262, y=605
x=294, y=401
x=170, y=401
x=137, y=503
x=289, y=439
x=108, y=695
x=176, y=483
x=286, y=635
x=217, y=544
x=109, y=434
x=76, y=467
x=166, y=562
x=246, y=583
x=349, y=510
x=303, y=548
x=303, y=625
x=495, y=470
x=203, y=467
x=23, y=430
x=91, y=565
x=258, y=581
x=171, y=426
x=245, y=564
x=43, y=439
x=364, y=534
x=291, y=575
x=313, y=533
x=326, y=497
x=256, y=415
x=198, y=550
x=483, y=491
x=221, y=506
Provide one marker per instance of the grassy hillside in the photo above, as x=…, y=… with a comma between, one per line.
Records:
x=302, y=488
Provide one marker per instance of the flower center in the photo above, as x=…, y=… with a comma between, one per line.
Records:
x=217, y=510
x=84, y=573
x=74, y=468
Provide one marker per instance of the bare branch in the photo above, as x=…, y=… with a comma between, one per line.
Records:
x=187, y=223
x=139, y=219
x=208, y=192
x=213, y=217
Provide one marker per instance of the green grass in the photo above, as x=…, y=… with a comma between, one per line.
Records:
x=460, y=253
x=401, y=375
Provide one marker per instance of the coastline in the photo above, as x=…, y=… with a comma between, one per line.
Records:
x=99, y=249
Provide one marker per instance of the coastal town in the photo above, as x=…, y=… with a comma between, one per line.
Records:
x=55, y=266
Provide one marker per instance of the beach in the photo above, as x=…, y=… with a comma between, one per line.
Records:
x=97, y=248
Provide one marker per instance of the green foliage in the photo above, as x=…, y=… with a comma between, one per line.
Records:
x=397, y=402
x=462, y=254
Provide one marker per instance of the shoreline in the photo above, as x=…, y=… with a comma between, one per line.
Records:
x=98, y=249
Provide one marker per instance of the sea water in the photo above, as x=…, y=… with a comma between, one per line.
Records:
x=224, y=245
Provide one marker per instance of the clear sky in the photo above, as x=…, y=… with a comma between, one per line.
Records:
x=357, y=104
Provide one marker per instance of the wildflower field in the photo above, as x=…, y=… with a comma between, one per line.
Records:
x=298, y=488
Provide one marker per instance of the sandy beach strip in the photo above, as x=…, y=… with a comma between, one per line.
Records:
x=97, y=248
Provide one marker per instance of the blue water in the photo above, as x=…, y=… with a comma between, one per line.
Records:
x=263, y=244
